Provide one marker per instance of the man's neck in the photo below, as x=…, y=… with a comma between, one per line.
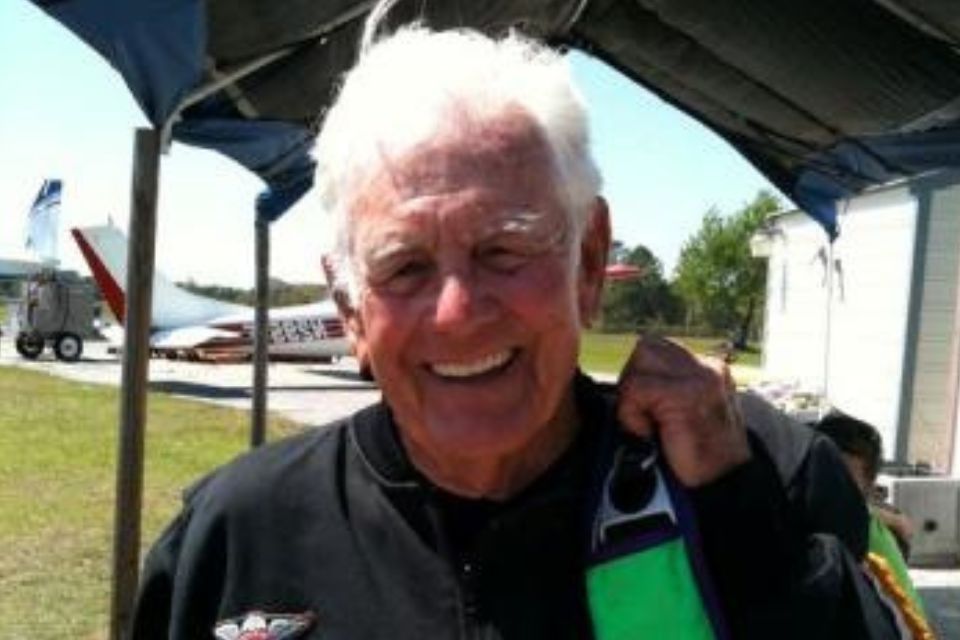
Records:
x=503, y=476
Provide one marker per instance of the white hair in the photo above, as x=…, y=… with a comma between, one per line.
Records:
x=401, y=93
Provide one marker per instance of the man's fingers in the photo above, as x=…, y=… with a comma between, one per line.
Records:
x=655, y=355
x=652, y=401
x=633, y=409
x=660, y=367
x=721, y=370
x=690, y=403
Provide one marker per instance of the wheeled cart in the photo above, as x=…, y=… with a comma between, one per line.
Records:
x=57, y=313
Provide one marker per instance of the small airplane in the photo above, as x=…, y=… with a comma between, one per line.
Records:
x=191, y=326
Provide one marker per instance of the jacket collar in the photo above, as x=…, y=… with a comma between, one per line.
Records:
x=375, y=433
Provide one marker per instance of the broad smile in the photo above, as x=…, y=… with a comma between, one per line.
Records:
x=471, y=369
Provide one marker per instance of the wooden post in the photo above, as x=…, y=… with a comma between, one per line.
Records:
x=261, y=334
x=133, y=390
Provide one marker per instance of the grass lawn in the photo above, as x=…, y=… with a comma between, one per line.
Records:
x=606, y=353
x=58, y=450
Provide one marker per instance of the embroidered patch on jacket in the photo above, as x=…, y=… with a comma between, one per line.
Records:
x=257, y=625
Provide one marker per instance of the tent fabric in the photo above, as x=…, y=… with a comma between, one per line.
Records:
x=277, y=151
x=825, y=97
x=156, y=45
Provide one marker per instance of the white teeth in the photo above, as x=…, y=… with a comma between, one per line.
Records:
x=467, y=369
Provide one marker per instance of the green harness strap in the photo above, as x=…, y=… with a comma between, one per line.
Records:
x=882, y=542
x=641, y=580
x=647, y=594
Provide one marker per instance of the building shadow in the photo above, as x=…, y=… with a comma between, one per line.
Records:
x=340, y=374
x=217, y=392
x=199, y=390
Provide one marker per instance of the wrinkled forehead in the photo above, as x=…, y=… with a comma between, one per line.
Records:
x=465, y=147
x=504, y=163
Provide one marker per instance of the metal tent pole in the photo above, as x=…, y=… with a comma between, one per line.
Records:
x=133, y=390
x=828, y=331
x=261, y=337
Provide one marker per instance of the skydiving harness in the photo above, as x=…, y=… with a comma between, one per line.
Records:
x=646, y=575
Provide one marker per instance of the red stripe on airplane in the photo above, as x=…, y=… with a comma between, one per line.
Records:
x=108, y=286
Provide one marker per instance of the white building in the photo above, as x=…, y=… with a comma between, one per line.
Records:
x=872, y=320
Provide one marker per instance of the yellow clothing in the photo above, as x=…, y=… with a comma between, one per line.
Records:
x=887, y=566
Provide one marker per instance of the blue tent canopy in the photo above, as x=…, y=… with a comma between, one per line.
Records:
x=160, y=48
x=825, y=97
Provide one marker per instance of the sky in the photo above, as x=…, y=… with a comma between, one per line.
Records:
x=65, y=113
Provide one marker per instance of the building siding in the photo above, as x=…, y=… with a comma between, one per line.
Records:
x=930, y=423
x=871, y=294
x=856, y=360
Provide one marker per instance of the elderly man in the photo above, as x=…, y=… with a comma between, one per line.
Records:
x=496, y=492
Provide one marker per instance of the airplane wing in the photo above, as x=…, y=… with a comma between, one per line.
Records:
x=187, y=337
x=113, y=333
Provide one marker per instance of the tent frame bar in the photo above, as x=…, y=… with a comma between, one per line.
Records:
x=225, y=78
x=133, y=387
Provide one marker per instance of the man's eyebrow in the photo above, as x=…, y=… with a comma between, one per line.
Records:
x=390, y=247
x=517, y=220
x=526, y=222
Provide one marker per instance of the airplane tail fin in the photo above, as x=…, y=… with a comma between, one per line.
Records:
x=105, y=250
x=44, y=222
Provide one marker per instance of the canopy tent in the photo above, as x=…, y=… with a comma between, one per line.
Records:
x=825, y=97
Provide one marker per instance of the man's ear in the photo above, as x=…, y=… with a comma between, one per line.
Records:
x=594, y=249
x=355, y=332
x=351, y=319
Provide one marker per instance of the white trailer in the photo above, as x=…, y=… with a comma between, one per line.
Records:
x=871, y=321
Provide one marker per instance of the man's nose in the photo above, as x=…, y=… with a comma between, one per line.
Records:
x=458, y=301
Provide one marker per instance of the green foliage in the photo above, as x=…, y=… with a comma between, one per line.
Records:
x=281, y=293
x=606, y=353
x=9, y=289
x=642, y=301
x=720, y=282
x=618, y=252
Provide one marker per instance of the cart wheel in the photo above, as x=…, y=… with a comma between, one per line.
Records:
x=68, y=347
x=29, y=345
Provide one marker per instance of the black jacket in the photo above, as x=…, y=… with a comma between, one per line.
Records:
x=336, y=522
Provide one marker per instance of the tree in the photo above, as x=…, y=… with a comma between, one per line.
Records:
x=721, y=283
x=281, y=293
x=618, y=252
x=9, y=289
x=643, y=300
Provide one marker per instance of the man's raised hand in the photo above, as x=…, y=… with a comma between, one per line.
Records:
x=689, y=404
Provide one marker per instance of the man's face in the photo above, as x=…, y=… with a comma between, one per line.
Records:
x=469, y=307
